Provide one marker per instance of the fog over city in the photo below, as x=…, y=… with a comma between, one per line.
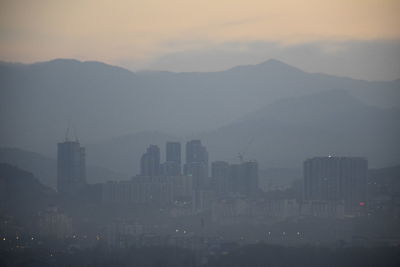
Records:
x=181, y=134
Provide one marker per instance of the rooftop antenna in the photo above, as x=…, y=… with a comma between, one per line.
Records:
x=67, y=131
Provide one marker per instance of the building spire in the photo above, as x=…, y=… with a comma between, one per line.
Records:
x=68, y=138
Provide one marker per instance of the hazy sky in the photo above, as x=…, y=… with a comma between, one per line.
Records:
x=188, y=35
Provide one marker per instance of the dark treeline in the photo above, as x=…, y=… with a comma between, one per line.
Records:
x=150, y=256
x=251, y=255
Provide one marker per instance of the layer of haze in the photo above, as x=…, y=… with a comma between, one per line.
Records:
x=143, y=34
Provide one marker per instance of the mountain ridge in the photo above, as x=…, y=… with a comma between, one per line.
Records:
x=266, y=63
x=102, y=101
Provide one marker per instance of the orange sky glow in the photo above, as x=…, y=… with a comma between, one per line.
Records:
x=112, y=31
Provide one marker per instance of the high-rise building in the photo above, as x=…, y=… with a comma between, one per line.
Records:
x=236, y=178
x=150, y=162
x=244, y=177
x=196, y=166
x=250, y=175
x=71, y=167
x=220, y=176
x=172, y=166
x=337, y=179
x=196, y=163
x=198, y=172
x=196, y=152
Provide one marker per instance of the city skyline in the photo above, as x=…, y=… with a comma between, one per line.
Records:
x=206, y=133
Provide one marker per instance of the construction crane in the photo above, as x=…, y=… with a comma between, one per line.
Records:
x=241, y=155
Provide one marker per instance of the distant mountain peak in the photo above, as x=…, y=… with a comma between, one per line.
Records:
x=277, y=64
x=268, y=65
x=74, y=64
x=273, y=61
